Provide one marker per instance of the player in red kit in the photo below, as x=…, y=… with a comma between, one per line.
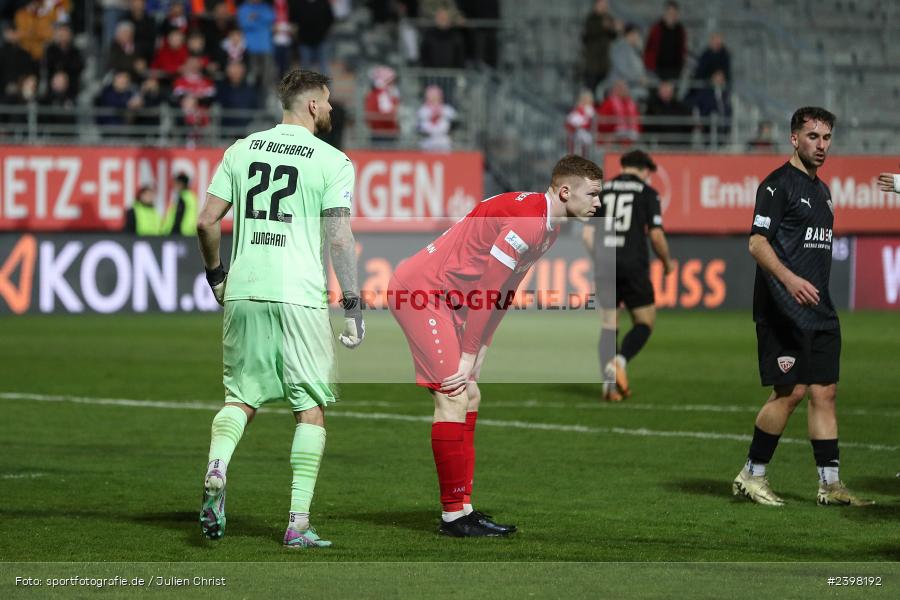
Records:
x=449, y=299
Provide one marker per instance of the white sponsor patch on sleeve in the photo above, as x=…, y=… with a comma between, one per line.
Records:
x=503, y=257
x=657, y=219
x=762, y=222
x=512, y=238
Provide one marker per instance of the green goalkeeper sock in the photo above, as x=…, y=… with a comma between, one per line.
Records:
x=227, y=429
x=306, y=455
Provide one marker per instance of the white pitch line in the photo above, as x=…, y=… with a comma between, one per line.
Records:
x=21, y=475
x=712, y=408
x=528, y=425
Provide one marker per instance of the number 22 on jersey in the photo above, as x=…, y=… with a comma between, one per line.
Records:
x=289, y=189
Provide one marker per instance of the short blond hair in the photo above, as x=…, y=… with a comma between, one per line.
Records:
x=573, y=165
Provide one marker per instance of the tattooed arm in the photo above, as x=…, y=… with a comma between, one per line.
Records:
x=342, y=247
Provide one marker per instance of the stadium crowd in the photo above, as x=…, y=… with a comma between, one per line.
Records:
x=637, y=84
x=190, y=54
x=193, y=55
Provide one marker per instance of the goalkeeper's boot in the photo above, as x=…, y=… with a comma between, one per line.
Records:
x=468, y=526
x=611, y=393
x=837, y=494
x=488, y=522
x=307, y=538
x=755, y=488
x=212, y=510
x=615, y=371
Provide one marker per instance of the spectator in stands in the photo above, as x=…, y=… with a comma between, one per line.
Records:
x=282, y=37
x=482, y=40
x=123, y=54
x=59, y=102
x=435, y=120
x=442, y=45
x=144, y=29
x=627, y=62
x=764, y=140
x=668, y=118
x=313, y=20
x=381, y=106
x=181, y=216
x=176, y=18
x=35, y=22
x=428, y=9
x=113, y=12
x=151, y=99
x=235, y=94
x=234, y=48
x=216, y=28
x=17, y=63
x=596, y=37
x=714, y=58
x=666, y=49
x=580, y=124
x=408, y=32
x=196, y=44
x=714, y=103
x=141, y=218
x=171, y=55
x=194, y=118
x=618, y=119
x=193, y=82
x=256, y=19
x=118, y=101
x=62, y=55
x=24, y=91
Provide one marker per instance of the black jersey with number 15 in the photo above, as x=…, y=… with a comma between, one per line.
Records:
x=633, y=208
x=796, y=214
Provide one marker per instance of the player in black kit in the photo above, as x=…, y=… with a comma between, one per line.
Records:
x=797, y=329
x=618, y=244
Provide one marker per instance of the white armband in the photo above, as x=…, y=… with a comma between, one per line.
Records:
x=897, y=182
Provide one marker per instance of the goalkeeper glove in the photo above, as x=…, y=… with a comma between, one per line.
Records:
x=354, y=327
x=216, y=280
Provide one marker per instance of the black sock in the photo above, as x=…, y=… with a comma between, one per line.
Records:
x=606, y=348
x=826, y=452
x=634, y=340
x=762, y=448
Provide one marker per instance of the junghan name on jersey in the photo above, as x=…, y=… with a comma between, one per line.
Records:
x=268, y=239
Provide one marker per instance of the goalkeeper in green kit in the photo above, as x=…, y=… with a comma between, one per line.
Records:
x=291, y=194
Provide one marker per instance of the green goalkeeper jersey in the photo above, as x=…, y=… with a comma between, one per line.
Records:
x=279, y=181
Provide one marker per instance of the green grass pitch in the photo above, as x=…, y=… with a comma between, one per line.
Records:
x=87, y=476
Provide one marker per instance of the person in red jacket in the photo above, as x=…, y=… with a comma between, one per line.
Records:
x=381, y=106
x=171, y=55
x=580, y=124
x=618, y=119
x=666, y=49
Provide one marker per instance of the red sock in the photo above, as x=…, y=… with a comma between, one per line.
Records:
x=447, y=445
x=469, y=453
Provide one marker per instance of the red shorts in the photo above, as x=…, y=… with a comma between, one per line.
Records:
x=433, y=335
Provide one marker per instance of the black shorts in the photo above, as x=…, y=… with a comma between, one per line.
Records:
x=789, y=355
x=633, y=288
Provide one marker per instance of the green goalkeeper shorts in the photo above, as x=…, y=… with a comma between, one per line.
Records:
x=277, y=351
